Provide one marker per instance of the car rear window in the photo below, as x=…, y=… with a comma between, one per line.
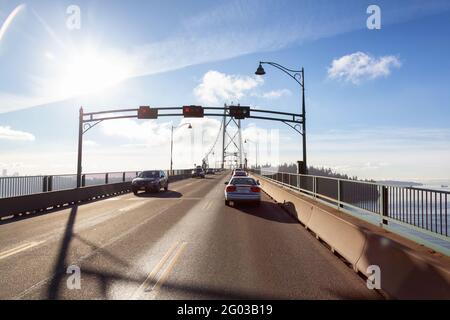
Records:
x=149, y=174
x=248, y=181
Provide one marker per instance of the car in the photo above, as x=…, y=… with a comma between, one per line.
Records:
x=242, y=189
x=210, y=171
x=151, y=180
x=240, y=174
x=198, y=173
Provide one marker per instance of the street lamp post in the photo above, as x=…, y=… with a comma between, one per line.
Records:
x=299, y=77
x=171, y=144
x=256, y=150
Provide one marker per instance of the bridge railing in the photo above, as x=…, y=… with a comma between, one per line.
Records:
x=423, y=209
x=27, y=185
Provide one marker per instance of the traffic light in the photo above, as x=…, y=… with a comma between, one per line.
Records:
x=147, y=113
x=239, y=112
x=193, y=112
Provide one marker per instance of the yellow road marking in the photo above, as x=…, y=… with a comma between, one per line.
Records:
x=166, y=273
x=206, y=205
x=152, y=275
x=20, y=248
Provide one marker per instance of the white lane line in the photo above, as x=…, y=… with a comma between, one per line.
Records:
x=20, y=248
x=165, y=199
x=132, y=206
x=189, y=184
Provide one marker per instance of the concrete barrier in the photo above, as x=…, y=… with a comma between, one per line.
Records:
x=43, y=201
x=408, y=270
x=343, y=237
x=299, y=209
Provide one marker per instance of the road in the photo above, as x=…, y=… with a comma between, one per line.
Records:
x=182, y=244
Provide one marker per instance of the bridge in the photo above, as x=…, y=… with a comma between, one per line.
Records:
x=311, y=238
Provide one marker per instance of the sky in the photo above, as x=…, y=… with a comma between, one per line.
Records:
x=377, y=100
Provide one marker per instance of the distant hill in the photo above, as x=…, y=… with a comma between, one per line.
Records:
x=316, y=171
x=400, y=183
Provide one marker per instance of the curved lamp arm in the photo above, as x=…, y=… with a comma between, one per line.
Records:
x=184, y=124
x=297, y=75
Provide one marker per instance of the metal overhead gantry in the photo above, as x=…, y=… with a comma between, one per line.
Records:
x=90, y=119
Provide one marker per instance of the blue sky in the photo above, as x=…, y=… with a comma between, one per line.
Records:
x=377, y=100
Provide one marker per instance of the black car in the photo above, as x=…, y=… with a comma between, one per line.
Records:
x=198, y=173
x=210, y=171
x=148, y=181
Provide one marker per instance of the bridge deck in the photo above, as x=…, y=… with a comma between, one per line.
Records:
x=181, y=244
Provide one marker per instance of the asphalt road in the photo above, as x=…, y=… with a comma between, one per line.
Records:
x=182, y=244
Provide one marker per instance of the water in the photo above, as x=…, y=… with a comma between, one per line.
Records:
x=433, y=221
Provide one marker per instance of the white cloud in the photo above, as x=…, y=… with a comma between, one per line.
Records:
x=360, y=66
x=157, y=135
x=6, y=133
x=147, y=143
x=218, y=88
x=148, y=132
x=276, y=94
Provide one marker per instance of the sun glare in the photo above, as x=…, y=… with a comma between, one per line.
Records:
x=90, y=71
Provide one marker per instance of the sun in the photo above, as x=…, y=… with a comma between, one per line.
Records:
x=90, y=70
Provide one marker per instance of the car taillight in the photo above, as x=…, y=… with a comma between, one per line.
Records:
x=231, y=188
x=255, y=189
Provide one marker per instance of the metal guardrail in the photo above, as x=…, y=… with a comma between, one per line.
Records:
x=27, y=185
x=423, y=209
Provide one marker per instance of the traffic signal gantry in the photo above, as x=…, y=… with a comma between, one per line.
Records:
x=235, y=113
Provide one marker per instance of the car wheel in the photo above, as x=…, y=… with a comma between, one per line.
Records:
x=227, y=203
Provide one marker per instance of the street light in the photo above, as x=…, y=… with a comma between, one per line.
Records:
x=299, y=77
x=171, y=143
x=256, y=150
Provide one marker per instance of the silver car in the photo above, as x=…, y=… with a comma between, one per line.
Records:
x=242, y=189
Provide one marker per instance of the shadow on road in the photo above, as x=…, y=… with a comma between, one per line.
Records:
x=160, y=195
x=267, y=210
x=60, y=262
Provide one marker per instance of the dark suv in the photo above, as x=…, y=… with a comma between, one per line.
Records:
x=198, y=172
x=152, y=180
